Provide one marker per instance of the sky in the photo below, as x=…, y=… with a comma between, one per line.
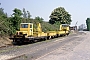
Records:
x=79, y=9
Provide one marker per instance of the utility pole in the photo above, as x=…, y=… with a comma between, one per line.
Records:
x=76, y=25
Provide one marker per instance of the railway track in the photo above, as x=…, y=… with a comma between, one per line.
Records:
x=12, y=46
x=46, y=50
x=9, y=51
x=8, y=45
x=32, y=47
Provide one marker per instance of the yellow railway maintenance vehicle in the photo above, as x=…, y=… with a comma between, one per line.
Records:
x=26, y=33
x=63, y=30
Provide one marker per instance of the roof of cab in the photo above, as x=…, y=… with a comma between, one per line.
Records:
x=26, y=23
x=64, y=24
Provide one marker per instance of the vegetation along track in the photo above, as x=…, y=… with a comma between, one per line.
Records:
x=11, y=46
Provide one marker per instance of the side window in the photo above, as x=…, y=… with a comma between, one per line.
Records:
x=30, y=26
x=24, y=25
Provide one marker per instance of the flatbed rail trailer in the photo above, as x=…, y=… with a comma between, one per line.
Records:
x=26, y=33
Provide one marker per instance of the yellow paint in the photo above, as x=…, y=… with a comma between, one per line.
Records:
x=28, y=30
x=38, y=32
x=39, y=27
x=51, y=33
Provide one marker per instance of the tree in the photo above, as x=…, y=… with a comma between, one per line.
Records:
x=40, y=19
x=3, y=22
x=88, y=24
x=60, y=15
x=1, y=11
x=24, y=16
x=28, y=15
x=24, y=13
x=16, y=18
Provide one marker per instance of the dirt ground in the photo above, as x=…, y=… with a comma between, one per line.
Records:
x=4, y=41
x=63, y=48
x=80, y=51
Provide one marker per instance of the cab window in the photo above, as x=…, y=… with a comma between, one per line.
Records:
x=24, y=25
x=30, y=26
x=64, y=25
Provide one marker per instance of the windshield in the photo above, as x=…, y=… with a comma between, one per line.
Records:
x=24, y=25
x=65, y=25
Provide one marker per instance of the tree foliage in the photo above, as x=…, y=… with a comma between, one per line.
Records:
x=9, y=25
x=28, y=15
x=15, y=19
x=4, y=24
x=40, y=19
x=24, y=13
x=60, y=15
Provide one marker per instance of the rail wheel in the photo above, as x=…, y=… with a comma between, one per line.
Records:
x=35, y=41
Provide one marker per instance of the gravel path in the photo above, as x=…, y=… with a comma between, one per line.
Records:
x=15, y=51
x=43, y=50
x=79, y=50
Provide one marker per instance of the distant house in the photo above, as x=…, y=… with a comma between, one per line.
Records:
x=82, y=27
x=73, y=28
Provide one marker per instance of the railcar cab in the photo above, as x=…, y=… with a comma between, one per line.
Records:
x=65, y=27
x=25, y=29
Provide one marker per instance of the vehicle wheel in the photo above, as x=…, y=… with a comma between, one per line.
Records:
x=45, y=38
x=35, y=41
x=52, y=37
